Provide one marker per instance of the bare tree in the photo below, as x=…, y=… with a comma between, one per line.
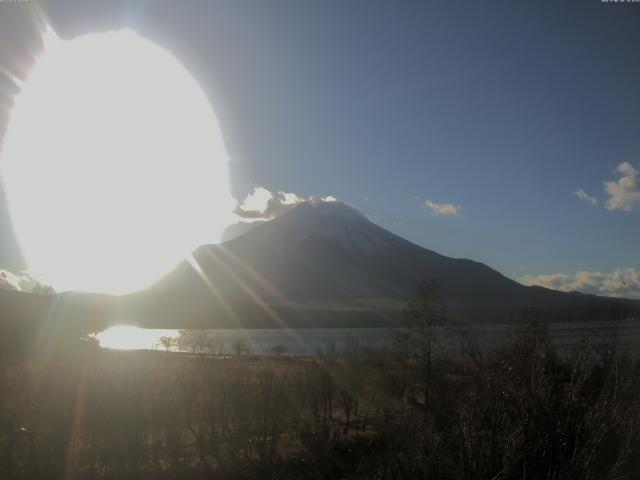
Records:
x=416, y=341
x=168, y=343
x=240, y=347
x=193, y=341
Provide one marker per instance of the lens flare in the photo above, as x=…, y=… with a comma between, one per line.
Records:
x=113, y=164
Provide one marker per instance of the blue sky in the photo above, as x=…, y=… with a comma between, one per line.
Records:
x=504, y=109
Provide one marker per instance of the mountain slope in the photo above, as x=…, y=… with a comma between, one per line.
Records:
x=326, y=263
x=319, y=265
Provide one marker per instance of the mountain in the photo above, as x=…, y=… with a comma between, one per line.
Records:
x=322, y=264
x=239, y=228
x=326, y=264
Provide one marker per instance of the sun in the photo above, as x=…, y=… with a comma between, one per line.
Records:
x=113, y=164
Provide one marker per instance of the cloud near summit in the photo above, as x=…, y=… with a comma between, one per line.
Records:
x=263, y=204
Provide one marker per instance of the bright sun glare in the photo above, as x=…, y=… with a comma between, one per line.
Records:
x=113, y=164
x=132, y=338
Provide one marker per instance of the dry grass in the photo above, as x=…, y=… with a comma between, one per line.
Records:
x=514, y=413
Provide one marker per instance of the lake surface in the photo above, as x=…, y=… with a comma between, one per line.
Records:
x=309, y=341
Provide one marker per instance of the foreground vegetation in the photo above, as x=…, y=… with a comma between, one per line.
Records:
x=410, y=411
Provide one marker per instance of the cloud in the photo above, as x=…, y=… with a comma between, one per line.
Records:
x=622, y=282
x=582, y=195
x=442, y=208
x=11, y=281
x=624, y=193
x=263, y=204
x=266, y=204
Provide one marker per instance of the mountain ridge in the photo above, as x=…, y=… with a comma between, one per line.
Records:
x=319, y=265
x=330, y=252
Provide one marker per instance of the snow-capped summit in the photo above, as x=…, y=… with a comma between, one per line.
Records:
x=331, y=221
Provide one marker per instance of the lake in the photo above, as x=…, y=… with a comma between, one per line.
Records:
x=308, y=341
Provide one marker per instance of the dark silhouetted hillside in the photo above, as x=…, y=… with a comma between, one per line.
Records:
x=325, y=263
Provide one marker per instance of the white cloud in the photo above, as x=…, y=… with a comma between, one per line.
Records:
x=582, y=195
x=257, y=200
x=625, y=192
x=622, y=282
x=266, y=204
x=442, y=208
x=627, y=169
x=12, y=281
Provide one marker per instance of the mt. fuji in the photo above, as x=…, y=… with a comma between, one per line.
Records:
x=324, y=263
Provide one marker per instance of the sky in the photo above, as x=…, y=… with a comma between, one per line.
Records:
x=501, y=131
